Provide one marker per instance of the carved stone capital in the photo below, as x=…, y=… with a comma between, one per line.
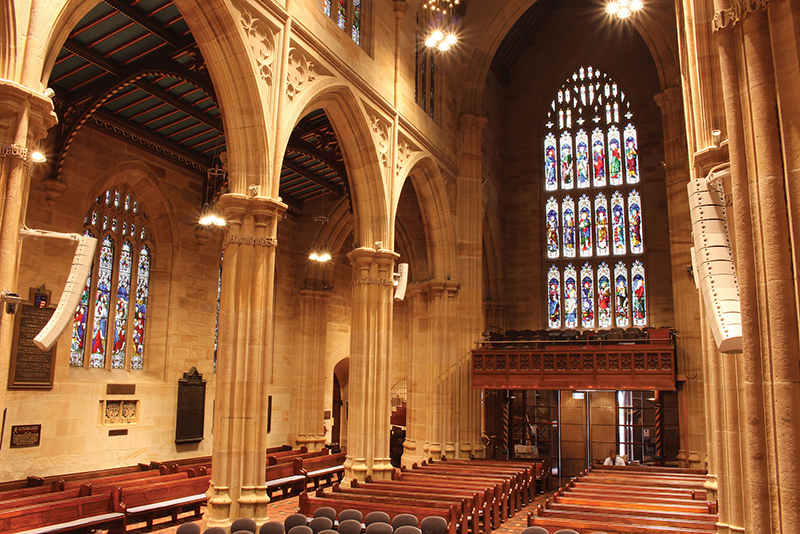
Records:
x=15, y=97
x=669, y=100
x=739, y=10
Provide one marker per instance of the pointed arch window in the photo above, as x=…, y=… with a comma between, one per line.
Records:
x=348, y=16
x=108, y=330
x=594, y=232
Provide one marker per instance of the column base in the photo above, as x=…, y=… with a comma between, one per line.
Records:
x=355, y=469
x=382, y=469
x=253, y=503
x=218, y=509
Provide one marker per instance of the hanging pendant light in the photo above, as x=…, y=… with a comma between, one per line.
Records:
x=439, y=20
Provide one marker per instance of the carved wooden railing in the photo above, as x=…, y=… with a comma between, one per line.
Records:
x=625, y=364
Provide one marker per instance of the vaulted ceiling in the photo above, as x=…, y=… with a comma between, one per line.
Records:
x=133, y=69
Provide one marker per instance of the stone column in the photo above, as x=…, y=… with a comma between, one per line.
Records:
x=470, y=263
x=688, y=349
x=416, y=446
x=25, y=117
x=311, y=387
x=246, y=315
x=370, y=371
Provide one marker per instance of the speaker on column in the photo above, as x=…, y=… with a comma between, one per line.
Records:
x=402, y=281
x=713, y=263
x=70, y=297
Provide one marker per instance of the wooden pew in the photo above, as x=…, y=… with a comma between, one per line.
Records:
x=273, y=459
x=57, y=485
x=67, y=515
x=286, y=454
x=471, y=504
x=30, y=482
x=157, y=499
x=104, y=486
x=84, y=476
x=699, y=517
x=320, y=467
x=309, y=504
x=32, y=500
x=556, y=523
x=484, y=497
x=499, y=490
x=141, y=476
x=526, y=472
x=650, y=469
x=620, y=516
x=510, y=487
x=281, y=448
x=540, y=467
x=282, y=476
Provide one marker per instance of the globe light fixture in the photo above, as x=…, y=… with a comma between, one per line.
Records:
x=437, y=17
x=623, y=8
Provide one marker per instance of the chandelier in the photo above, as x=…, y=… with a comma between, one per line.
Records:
x=623, y=8
x=438, y=19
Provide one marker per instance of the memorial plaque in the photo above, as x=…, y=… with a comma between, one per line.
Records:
x=25, y=436
x=191, y=407
x=31, y=367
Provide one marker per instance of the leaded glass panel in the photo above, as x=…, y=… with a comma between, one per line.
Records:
x=638, y=301
x=140, y=311
x=587, y=296
x=635, y=222
x=570, y=297
x=598, y=158
x=550, y=164
x=567, y=172
x=631, y=155
x=102, y=302
x=552, y=228
x=582, y=152
x=568, y=217
x=604, y=305
x=601, y=223
x=78, y=344
x=618, y=223
x=585, y=226
x=622, y=317
x=553, y=297
x=121, y=312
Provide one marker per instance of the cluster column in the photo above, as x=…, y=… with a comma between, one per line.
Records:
x=370, y=370
x=310, y=391
x=25, y=117
x=245, y=333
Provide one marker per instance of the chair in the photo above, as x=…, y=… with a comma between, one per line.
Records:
x=555, y=334
x=349, y=526
x=328, y=531
x=189, y=528
x=571, y=334
x=433, y=524
x=534, y=530
x=379, y=527
x=215, y=530
x=401, y=520
x=244, y=523
x=325, y=511
x=599, y=533
x=407, y=529
x=293, y=521
x=320, y=523
x=566, y=531
x=350, y=513
x=300, y=529
x=271, y=527
x=376, y=517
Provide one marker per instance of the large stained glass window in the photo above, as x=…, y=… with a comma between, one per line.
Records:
x=593, y=207
x=107, y=310
x=348, y=15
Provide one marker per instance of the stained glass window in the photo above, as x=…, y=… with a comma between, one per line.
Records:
x=590, y=152
x=570, y=297
x=140, y=310
x=552, y=228
x=554, y=297
x=102, y=301
x=106, y=308
x=348, y=15
x=568, y=215
x=587, y=296
x=638, y=298
x=621, y=294
x=121, y=311
x=219, y=301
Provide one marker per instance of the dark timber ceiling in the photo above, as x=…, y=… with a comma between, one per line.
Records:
x=134, y=70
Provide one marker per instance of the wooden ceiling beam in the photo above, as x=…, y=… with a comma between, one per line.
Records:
x=307, y=174
x=142, y=20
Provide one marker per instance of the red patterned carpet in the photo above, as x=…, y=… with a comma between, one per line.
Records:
x=281, y=508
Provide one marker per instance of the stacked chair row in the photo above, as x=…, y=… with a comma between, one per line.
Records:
x=629, y=499
x=327, y=521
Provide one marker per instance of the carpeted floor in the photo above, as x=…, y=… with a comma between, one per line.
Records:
x=280, y=508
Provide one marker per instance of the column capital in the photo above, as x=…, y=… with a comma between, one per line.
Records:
x=366, y=255
x=14, y=97
x=400, y=8
x=233, y=207
x=670, y=99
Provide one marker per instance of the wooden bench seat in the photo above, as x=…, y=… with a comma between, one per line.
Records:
x=25, y=492
x=32, y=500
x=308, y=504
x=556, y=523
x=157, y=499
x=697, y=516
x=501, y=489
x=140, y=476
x=273, y=459
x=66, y=515
x=650, y=469
x=614, y=515
x=282, y=476
x=317, y=468
x=525, y=471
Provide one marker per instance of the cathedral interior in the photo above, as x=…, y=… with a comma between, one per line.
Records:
x=313, y=223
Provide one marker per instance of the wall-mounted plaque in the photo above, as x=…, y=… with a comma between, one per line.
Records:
x=31, y=367
x=25, y=436
x=190, y=421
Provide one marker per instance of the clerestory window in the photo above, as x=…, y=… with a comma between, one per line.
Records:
x=348, y=15
x=108, y=330
x=592, y=207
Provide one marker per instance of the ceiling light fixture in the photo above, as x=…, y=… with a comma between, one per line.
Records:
x=623, y=8
x=441, y=22
x=216, y=185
